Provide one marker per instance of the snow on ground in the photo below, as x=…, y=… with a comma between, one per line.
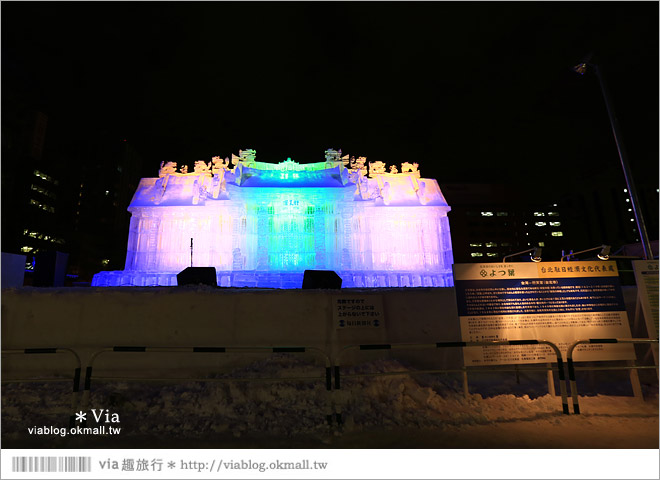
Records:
x=385, y=411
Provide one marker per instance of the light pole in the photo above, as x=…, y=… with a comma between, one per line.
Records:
x=581, y=68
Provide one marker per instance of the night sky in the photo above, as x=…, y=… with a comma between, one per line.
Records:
x=472, y=91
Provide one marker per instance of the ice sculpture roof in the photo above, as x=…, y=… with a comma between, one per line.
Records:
x=216, y=181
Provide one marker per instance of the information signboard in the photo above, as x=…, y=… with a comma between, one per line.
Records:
x=646, y=276
x=556, y=301
x=358, y=311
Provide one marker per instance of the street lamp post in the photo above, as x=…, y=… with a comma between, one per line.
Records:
x=581, y=68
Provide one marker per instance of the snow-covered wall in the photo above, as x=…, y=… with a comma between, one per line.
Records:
x=89, y=319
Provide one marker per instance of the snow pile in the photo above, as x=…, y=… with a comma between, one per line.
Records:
x=289, y=409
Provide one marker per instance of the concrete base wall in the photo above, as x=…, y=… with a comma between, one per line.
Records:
x=89, y=319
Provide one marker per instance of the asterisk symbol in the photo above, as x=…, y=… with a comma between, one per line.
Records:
x=80, y=416
x=171, y=465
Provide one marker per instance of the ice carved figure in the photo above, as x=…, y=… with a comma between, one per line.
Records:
x=219, y=164
x=202, y=167
x=217, y=184
x=421, y=193
x=385, y=193
x=196, y=192
x=246, y=157
x=160, y=187
x=362, y=186
x=249, y=155
x=376, y=168
x=167, y=169
x=184, y=169
x=409, y=167
x=332, y=155
x=393, y=170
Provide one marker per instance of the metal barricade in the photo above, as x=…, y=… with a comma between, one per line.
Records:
x=388, y=346
x=571, y=367
x=220, y=350
x=54, y=350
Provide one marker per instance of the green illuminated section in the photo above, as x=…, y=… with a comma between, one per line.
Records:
x=291, y=228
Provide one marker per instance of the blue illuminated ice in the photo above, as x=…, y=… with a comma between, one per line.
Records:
x=262, y=224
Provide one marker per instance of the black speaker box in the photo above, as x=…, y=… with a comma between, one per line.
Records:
x=197, y=276
x=321, y=279
x=50, y=269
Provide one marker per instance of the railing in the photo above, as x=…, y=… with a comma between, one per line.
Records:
x=51, y=350
x=409, y=346
x=216, y=350
x=571, y=367
x=333, y=406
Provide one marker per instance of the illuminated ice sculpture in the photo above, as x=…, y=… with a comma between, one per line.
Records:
x=262, y=224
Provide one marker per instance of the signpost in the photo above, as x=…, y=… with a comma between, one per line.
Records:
x=646, y=277
x=358, y=311
x=556, y=301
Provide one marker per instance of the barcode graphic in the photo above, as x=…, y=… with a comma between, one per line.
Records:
x=51, y=464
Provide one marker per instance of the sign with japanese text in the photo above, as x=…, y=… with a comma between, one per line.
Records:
x=646, y=276
x=560, y=302
x=358, y=311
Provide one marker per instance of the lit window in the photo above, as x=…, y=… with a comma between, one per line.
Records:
x=539, y=214
x=555, y=224
x=486, y=214
x=540, y=224
x=625, y=190
x=491, y=244
x=627, y=200
x=502, y=214
x=630, y=209
x=107, y=192
x=43, y=176
x=632, y=219
x=43, y=191
x=477, y=254
x=26, y=249
x=557, y=234
x=476, y=244
x=541, y=244
x=492, y=254
x=553, y=214
x=105, y=261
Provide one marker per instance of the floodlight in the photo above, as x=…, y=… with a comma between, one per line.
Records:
x=535, y=254
x=581, y=68
x=604, y=253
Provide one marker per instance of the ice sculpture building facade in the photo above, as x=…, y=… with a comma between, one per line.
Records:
x=262, y=224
